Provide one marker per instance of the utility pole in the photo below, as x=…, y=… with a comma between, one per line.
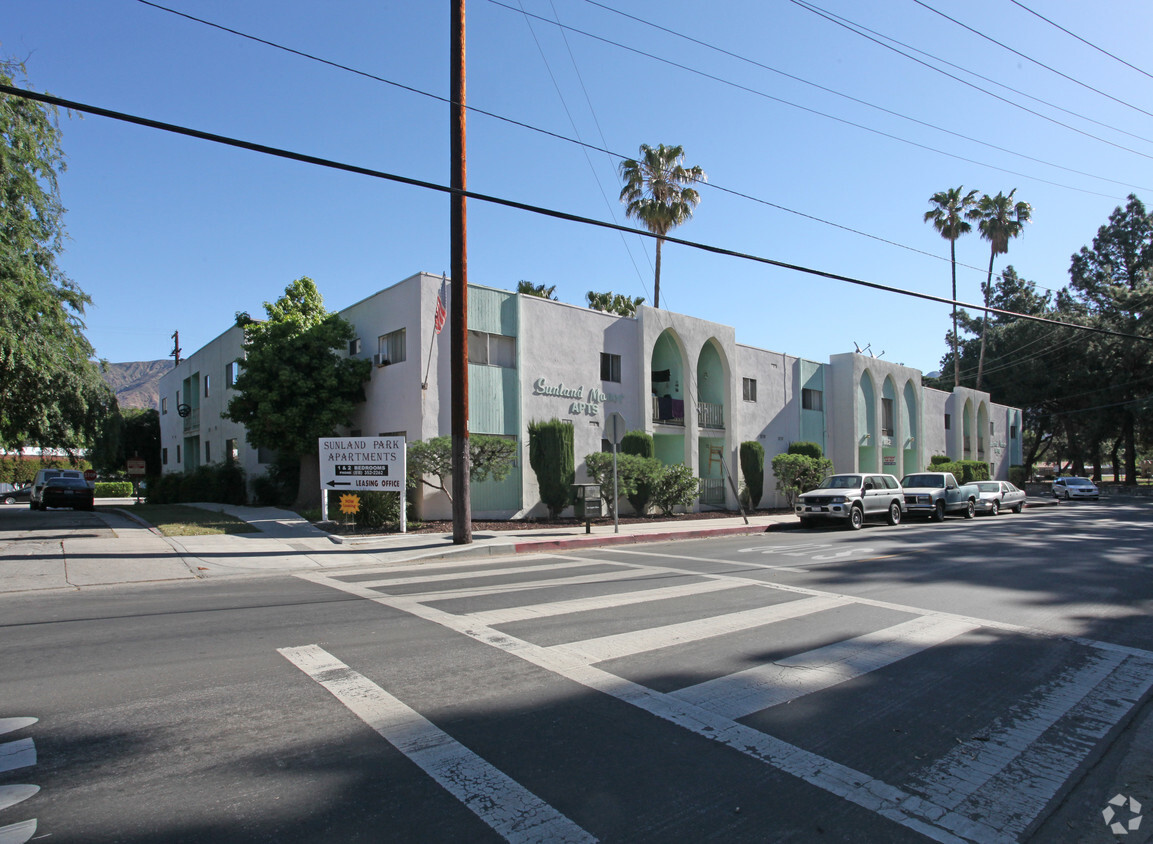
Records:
x=458, y=225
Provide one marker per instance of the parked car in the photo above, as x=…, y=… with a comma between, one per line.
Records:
x=936, y=493
x=1075, y=488
x=67, y=492
x=42, y=478
x=850, y=499
x=999, y=495
x=13, y=495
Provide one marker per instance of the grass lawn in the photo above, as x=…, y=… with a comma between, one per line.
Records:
x=180, y=520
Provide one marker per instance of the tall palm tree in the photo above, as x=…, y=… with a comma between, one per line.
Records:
x=948, y=217
x=999, y=220
x=658, y=190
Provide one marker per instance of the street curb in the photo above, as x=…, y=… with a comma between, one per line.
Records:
x=631, y=539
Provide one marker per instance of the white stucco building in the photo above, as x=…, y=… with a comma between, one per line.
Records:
x=686, y=381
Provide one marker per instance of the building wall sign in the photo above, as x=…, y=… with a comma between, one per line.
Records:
x=587, y=404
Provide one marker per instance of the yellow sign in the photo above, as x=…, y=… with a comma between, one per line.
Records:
x=350, y=503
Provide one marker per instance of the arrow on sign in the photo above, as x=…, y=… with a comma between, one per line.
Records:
x=340, y=483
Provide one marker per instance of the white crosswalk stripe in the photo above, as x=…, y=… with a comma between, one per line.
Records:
x=961, y=797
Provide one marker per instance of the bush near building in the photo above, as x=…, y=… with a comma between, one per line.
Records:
x=797, y=473
x=752, y=455
x=217, y=483
x=641, y=444
x=675, y=486
x=965, y=471
x=550, y=453
x=632, y=472
x=113, y=489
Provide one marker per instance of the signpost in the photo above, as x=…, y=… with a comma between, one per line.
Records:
x=363, y=464
x=616, y=427
x=137, y=469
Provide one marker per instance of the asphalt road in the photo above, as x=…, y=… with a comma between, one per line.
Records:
x=983, y=680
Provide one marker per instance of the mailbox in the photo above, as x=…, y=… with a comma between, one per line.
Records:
x=587, y=502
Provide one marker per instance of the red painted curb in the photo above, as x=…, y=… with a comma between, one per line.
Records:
x=633, y=538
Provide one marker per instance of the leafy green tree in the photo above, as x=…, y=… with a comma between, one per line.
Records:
x=752, y=455
x=797, y=473
x=51, y=392
x=675, y=486
x=550, y=453
x=489, y=457
x=658, y=190
x=948, y=217
x=614, y=303
x=633, y=470
x=293, y=389
x=527, y=288
x=999, y=220
x=133, y=432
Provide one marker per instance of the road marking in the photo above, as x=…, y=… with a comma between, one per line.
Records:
x=10, y=795
x=17, y=833
x=543, y=566
x=763, y=686
x=509, y=808
x=493, y=618
x=11, y=725
x=653, y=638
x=630, y=573
x=17, y=754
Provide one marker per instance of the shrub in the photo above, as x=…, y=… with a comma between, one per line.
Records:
x=1018, y=476
x=675, y=486
x=797, y=473
x=812, y=450
x=641, y=444
x=113, y=489
x=550, y=453
x=632, y=471
x=278, y=485
x=965, y=471
x=752, y=456
x=377, y=510
x=938, y=459
x=219, y=483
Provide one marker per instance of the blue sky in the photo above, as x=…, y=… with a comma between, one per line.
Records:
x=169, y=233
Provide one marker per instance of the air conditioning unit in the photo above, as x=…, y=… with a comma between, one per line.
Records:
x=380, y=360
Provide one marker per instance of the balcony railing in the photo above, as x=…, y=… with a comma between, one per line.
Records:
x=192, y=420
x=668, y=411
x=710, y=415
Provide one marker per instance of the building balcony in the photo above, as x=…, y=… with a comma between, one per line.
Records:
x=192, y=420
x=668, y=411
x=711, y=415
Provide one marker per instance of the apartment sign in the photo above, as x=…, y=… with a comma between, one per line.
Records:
x=373, y=464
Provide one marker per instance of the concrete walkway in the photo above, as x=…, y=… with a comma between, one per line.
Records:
x=126, y=550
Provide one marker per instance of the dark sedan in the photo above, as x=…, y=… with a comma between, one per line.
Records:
x=68, y=492
x=15, y=496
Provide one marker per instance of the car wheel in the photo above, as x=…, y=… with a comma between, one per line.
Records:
x=9, y=500
x=939, y=512
x=856, y=518
x=995, y=507
x=1017, y=508
x=31, y=505
x=971, y=510
x=894, y=513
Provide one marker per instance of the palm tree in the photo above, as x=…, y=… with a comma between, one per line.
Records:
x=614, y=303
x=947, y=215
x=527, y=288
x=658, y=190
x=999, y=220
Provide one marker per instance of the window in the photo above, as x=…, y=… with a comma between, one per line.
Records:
x=610, y=367
x=164, y=456
x=812, y=399
x=1012, y=432
x=392, y=347
x=491, y=349
x=207, y=452
x=207, y=381
x=231, y=450
x=354, y=347
x=991, y=429
x=177, y=454
x=163, y=404
x=887, y=425
x=948, y=421
x=230, y=373
x=750, y=388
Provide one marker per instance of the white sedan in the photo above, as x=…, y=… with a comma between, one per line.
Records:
x=999, y=495
x=1075, y=488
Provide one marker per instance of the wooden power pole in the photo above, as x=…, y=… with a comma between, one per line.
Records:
x=458, y=225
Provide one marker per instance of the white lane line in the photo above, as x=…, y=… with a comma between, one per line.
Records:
x=650, y=639
x=745, y=692
x=1020, y=764
x=511, y=810
x=10, y=795
x=524, y=585
x=899, y=806
x=17, y=833
x=17, y=754
x=11, y=725
x=470, y=575
x=492, y=618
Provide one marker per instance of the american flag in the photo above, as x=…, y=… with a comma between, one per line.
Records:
x=441, y=312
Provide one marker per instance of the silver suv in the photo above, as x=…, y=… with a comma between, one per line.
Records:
x=850, y=499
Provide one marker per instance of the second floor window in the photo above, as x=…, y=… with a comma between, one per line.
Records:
x=887, y=417
x=749, y=386
x=491, y=349
x=610, y=367
x=812, y=400
x=392, y=347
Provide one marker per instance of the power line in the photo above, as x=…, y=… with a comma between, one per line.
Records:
x=1079, y=38
x=263, y=149
x=1031, y=59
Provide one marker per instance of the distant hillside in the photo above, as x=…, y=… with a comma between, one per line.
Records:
x=137, y=383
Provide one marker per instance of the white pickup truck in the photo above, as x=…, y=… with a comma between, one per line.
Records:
x=934, y=494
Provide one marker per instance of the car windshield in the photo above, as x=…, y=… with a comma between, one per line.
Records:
x=1078, y=482
x=841, y=482
x=989, y=487
x=921, y=480
x=70, y=483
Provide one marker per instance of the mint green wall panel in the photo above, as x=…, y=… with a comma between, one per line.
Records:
x=492, y=399
x=493, y=311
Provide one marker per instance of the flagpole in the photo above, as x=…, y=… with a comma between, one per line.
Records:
x=435, y=333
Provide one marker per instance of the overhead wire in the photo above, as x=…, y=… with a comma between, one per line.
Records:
x=1079, y=38
x=304, y=158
